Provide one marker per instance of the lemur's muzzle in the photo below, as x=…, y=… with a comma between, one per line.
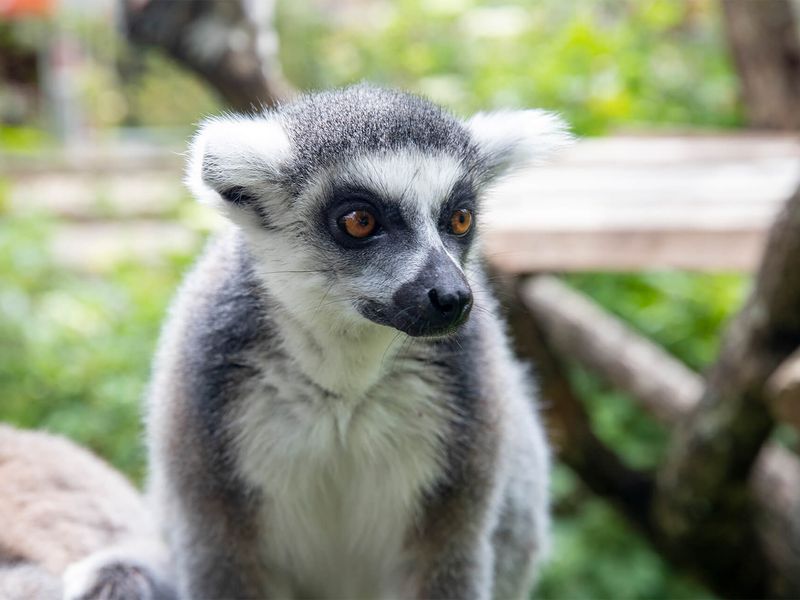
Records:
x=436, y=301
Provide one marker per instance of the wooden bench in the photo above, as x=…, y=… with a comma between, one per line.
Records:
x=630, y=203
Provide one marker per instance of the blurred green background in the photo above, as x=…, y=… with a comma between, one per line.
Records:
x=76, y=339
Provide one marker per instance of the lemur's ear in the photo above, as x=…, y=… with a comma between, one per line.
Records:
x=511, y=139
x=235, y=160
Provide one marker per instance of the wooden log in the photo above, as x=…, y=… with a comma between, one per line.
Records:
x=581, y=330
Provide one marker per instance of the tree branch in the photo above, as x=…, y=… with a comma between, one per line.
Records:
x=231, y=44
x=578, y=328
x=775, y=486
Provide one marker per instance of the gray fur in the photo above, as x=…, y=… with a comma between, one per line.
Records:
x=66, y=518
x=23, y=581
x=329, y=127
x=313, y=433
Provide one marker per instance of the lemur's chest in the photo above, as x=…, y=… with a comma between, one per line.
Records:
x=342, y=482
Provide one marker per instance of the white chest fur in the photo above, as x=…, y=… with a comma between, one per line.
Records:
x=342, y=481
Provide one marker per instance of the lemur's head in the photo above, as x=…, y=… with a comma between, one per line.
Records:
x=362, y=205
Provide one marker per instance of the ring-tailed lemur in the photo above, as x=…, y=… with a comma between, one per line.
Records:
x=335, y=410
x=65, y=512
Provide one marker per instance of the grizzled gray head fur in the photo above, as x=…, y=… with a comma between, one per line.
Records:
x=329, y=127
x=361, y=206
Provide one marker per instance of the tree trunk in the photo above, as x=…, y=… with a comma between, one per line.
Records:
x=702, y=503
x=762, y=35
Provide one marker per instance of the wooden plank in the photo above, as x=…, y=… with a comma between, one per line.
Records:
x=99, y=247
x=157, y=152
x=139, y=193
x=521, y=251
x=632, y=203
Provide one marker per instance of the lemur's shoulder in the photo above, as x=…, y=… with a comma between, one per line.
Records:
x=217, y=307
x=215, y=317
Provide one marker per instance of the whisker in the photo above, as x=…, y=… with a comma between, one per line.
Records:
x=328, y=291
x=385, y=352
x=294, y=271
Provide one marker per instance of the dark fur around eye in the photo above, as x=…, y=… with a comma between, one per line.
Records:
x=238, y=195
x=347, y=200
x=462, y=197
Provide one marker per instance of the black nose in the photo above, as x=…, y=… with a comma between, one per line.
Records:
x=435, y=302
x=452, y=304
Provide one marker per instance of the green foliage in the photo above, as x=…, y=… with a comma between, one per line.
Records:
x=23, y=140
x=159, y=93
x=602, y=64
x=597, y=555
x=75, y=349
x=684, y=312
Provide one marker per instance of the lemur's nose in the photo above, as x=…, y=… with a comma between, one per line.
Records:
x=452, y=304
x=436, y=301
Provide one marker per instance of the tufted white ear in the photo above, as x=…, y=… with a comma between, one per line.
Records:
x=236, y=159
x=511, y=139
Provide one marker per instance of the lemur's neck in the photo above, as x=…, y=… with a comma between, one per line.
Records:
x=344, y=358
x=344, y=362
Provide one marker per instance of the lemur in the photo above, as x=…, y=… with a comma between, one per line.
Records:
x=335, y=410
x=64, y=512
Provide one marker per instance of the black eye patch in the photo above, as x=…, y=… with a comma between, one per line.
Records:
x=238, y=195
x=462, y=197
x=341, y=195
x=344, y=199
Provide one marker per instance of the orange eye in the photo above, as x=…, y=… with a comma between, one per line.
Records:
x=461, y=221
x=358, y=224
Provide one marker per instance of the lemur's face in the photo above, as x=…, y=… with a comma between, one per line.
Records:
x=397, y=229
x=362, y=205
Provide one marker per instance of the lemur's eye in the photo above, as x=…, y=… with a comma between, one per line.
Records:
x=461, y=221
x=358, y=224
